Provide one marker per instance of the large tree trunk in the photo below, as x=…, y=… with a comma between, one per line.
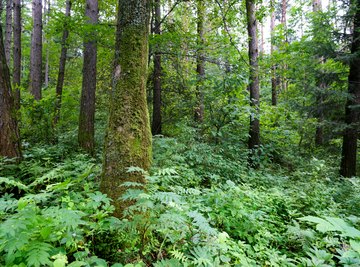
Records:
x=156, y=118
x=200, y=63
x=36, y=50
x=62, y=63
x=8, y=30
x=87, y=106
x=349, y=148
x=9, y=132
x=128, y=141
x=254, y=132
x=17, y=52
x=272, y=48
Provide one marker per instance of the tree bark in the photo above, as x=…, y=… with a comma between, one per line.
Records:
x=46, y=20
x=349, y=147
x=200, y=63
x=87, y=106
x=8, y=30
x=128, y=141
x=272, y=48
x=254, y=132
x=9, y=132
x=17, y=52
x=62, y=63
x=36, y=50
x=156, y=126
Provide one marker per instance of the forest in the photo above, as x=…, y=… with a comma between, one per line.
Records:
x=173, y=133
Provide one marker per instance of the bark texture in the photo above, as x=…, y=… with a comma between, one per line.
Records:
x=36, y=50
x=200, y=63
x=254, y=132
x=157, y=118
x=87, y=105
x=17, y=52
x=349, y=147
x=128, y=141
x=9, y=132
x=62, y=63
x=8, y=30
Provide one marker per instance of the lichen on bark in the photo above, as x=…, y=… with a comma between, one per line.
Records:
x=128, y=140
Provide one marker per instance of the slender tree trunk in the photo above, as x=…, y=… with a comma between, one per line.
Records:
x=352, y=113
x=319, y=134
x=9, y=132
x=62, y=63
x=47, y=54
x=272, y=49
x=200, y=63
x=156, y=118
x=128, y=141
x=254, y=133
x=17, y=52
x=36, y=50
x=87, y=106
x=8, y=30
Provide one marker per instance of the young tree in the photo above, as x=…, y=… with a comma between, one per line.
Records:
x=200, y=62
x=9, y=132
x=8, y=30
x=87, y=105
x=350, y=136
x=17, y=52
x=157, y=118
x=62, y=63
x=272, y=48
x=254, y=132
x=128, y=141
x=36, y=50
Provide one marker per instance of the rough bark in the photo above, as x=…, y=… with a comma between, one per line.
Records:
x=200, y=63
x=156, y=116
x=272, y=48
x=62, y=63
x=8, y=30
x=128, y=141
x=254, y=132
x=352, y=113
x=9, y=132
x=36, y=50
x=87, y=106
x=17, y=52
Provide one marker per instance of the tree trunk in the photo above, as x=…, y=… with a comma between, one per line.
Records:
x=254, y=133
x=17, y=52
x=349, y=147
x=62, y=63
x=9, y=132
x=47, y=67
x=156, y=121
x=8, y=30
x=128, y=141
x=36, y=50
x=272, y=48
x=200, y=63
x=87, y=106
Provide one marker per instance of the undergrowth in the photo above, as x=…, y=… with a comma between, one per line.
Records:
x=202, y=207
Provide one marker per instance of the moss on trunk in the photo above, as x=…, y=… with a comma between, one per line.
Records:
x=128, y=140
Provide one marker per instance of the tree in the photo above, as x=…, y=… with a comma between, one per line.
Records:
x=87, y=104
x=62, y=63
x=128, y=141
x=272, y=48
x=200, y=62
x=9, y=132
x=254, y=132
x=157, y=117
x=36, y=50
x=350, y=136
x=17, y=52
x=8, y=30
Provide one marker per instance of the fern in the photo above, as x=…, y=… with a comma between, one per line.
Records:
x=201, y=222
x=169, y=263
